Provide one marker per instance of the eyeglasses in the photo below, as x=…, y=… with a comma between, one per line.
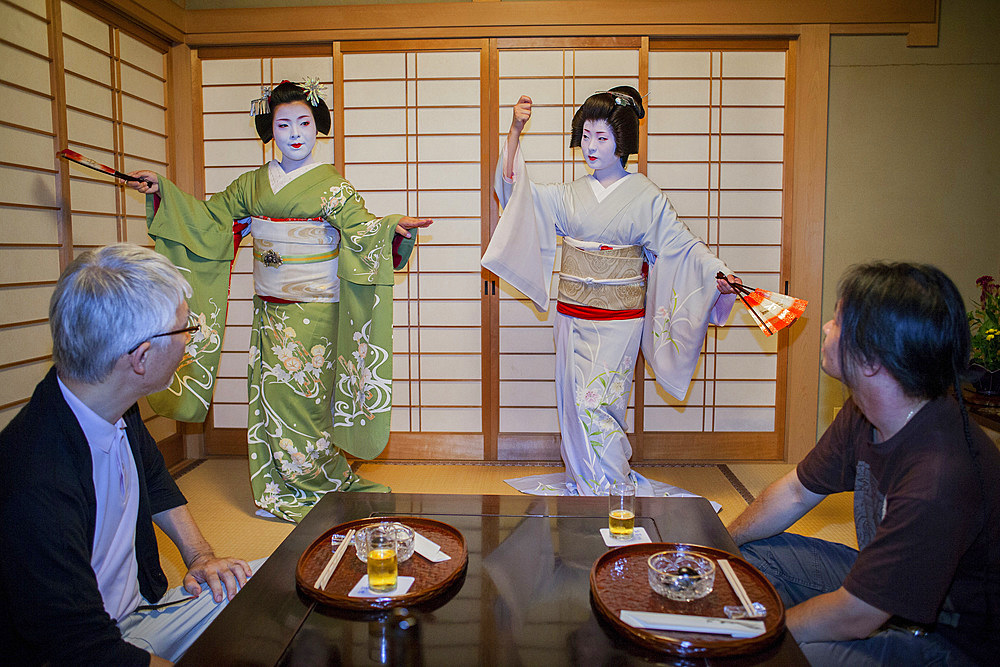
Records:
x=193, y=328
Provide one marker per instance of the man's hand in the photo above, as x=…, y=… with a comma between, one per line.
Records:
x=224, y=576
x=149, y=185
x=406, y=223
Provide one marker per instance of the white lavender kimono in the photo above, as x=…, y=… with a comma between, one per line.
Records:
x=595, y=359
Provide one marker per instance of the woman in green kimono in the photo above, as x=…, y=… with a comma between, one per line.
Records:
x=320, y=367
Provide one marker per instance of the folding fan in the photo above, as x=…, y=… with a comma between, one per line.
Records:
x=771, y=311
x=73, y=156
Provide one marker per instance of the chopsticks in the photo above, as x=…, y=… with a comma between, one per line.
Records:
x=740, y=291
x=331, y=565
x=734, y=581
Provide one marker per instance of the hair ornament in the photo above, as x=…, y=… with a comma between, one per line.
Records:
x=262, y=105
x=313, y=88
x=621, y=99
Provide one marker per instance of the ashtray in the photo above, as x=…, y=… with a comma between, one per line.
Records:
x=681, y=575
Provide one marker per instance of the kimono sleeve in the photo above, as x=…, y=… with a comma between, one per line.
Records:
x=197, y=237
x=681, y=297
x=522, y=249
x=366, y=252
x=204, y=228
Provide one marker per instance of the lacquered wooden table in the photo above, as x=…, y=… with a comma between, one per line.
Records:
x=524, y=599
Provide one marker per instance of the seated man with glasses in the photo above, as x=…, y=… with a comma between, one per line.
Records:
x=82, y=482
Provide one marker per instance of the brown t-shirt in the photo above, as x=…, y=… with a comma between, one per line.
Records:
x=925, y=534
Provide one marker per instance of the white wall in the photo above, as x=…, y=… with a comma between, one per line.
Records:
x=912, y=166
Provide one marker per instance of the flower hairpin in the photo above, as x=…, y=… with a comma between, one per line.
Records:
x=313, y=88
x=261, y=105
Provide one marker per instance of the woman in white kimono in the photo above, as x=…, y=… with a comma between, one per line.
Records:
x=319, y=378
x=616, y=226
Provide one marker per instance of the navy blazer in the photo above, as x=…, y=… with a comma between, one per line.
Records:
x=51, y=609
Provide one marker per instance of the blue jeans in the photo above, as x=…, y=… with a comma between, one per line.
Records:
x=802, y=567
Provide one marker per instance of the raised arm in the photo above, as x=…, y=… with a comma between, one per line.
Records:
x=522, y=112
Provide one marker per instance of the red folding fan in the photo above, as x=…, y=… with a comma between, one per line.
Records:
x=73, y=156
x=770, y=310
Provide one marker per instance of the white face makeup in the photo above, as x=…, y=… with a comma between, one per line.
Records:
x=598, y=146
x=294, y=134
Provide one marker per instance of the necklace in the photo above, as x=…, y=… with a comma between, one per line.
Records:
x=914, y=411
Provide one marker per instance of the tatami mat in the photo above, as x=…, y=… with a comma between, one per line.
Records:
x=832, y=519
x=218, y=493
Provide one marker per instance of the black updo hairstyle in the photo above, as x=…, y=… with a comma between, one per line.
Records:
x=284, y=93
x=622, y=108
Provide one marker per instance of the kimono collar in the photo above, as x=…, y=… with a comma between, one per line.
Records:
x=600, y=191
x=280, y=178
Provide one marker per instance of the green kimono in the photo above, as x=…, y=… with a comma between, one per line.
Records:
x=320, y=365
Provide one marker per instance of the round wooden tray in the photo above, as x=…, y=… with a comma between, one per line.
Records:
x=431, y=579
x=619, y=580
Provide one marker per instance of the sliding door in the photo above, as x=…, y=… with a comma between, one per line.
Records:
x=417, y=129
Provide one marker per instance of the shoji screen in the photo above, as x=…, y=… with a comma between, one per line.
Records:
x=114, y=87
x=412, y=145
x=29, y=242
x=231, y=148
x=115, y=114
x=557, y=81
x=715, y=146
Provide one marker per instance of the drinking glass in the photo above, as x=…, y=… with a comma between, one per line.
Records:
x=381, y=550
x=621, y=510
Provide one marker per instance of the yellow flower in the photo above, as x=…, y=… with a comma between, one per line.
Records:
x=290, y=332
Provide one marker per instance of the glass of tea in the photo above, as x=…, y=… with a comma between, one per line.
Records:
x=621, y=510
x=381, y=550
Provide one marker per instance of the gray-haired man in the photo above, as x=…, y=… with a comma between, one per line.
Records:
x=83, y=481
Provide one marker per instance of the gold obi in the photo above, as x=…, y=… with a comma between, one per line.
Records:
x=610, y=279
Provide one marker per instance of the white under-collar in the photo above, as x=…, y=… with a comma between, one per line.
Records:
x=280, y=178
x=600, y=191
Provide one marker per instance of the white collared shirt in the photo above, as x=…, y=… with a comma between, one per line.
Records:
x=116, y=486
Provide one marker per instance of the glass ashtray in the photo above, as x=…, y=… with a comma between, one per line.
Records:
x=681, y=575
x=404, y=542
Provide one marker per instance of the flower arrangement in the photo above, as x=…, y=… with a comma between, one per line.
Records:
x=984, y=324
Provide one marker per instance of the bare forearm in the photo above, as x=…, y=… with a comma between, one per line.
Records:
x=513, y=141
x=181, y=528
x=781, y=504
x=836, y=616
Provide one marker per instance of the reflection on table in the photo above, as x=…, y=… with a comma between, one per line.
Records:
x=524, y=599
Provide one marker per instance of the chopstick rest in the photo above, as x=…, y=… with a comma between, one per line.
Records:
x=752, y=609
x=649, y=620
x=331, y=565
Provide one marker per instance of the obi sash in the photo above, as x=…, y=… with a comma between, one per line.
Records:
x=295, y=259
x=601, y=282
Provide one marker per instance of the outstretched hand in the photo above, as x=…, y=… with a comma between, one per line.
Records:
x=726, y=288
x=406, y=222
x=149, y=185
x=224, y=576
